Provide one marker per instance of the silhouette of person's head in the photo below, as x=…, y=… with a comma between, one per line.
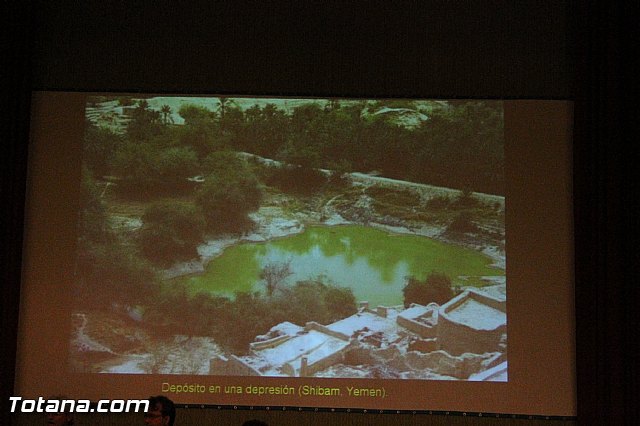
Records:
x=162, y=411
x=61, y=418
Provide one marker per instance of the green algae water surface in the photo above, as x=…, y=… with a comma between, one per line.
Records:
x=373, y=263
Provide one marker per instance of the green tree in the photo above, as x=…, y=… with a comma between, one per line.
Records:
x=171, y=232
x=223, y=103
x=134, y=164
x=231, y=127
x=462, y=224
x=92, y=222
x=461, y=146
x=201, y=129
x=296, y=179
x=107, y=271
x=100, y=145
x=332, y=104
x=146, y=170
x=224, y=162
x=145, y=123
x=195, y=114
x=436, y=288
x=174, y=166
x=306, y=137
x=266, y=130
x=166, y=114
x=226, y=199
x=251, y=316
x=113, y=273
x=341, y=302
x=313, y=300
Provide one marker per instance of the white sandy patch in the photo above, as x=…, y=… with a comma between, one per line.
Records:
x=367, y=321
x=478, y=315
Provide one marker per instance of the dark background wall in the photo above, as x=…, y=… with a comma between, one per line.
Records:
x=497, y=49
x=405, y=48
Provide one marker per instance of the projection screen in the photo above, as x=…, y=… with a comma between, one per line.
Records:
x=405, y=254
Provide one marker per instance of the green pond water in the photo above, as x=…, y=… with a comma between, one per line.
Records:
x=373, y=263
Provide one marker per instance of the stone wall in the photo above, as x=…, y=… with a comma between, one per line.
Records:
x=457, y=338
x=422, y=330
x=268, y=344
x=232, y=366
x=325, y=330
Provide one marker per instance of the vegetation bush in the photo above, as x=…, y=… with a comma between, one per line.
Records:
x=394, y=196
x=133, y=164
x=145, y=124
x=461, y=143
x=226, y=199
x=171, y=232
x=209, y=131
x=100, y=145
x=147, y=171
x=297, y=180
x=107, y=271
x=339, y=176
x=436, y=288
x=462, y=224
x=174, y=166
x=466, y=200
x=224, y=163
x=313, y=300
x=249, y=314
x=92, y=220
x=340, y=301
x=439, y=202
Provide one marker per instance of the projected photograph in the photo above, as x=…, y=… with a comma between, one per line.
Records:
x=287, y=237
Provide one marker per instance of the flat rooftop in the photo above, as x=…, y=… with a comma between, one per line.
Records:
x=477, y=315
x=311, y=344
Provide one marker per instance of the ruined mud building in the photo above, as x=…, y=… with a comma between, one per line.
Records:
x=463, y=339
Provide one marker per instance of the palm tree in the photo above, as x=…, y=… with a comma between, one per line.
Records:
x=332, y=104
x=224, y=102
x=166, y=114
